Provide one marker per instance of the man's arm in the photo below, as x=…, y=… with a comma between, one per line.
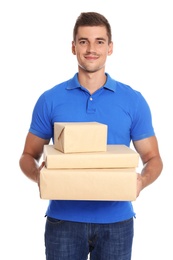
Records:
x=29, y=160
x=151, y=159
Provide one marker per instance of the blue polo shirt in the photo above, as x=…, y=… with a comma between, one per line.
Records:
x=125, y=112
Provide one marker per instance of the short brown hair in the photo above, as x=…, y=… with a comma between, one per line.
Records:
x=92, y=19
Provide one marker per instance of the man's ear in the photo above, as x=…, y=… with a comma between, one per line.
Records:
x=73, y=48
x=110, y=50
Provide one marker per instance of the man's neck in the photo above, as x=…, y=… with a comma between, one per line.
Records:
x=92, y=81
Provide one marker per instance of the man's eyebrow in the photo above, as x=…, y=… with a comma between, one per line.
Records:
x=101, y=38
x=82, y=38
x=86, y=39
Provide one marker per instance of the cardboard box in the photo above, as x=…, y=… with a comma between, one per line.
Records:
x=88, y=184
x=80, y=137
x=115, y=156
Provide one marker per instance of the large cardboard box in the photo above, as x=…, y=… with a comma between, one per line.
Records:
x=115, y=156
x=88, y=184
x=74, y=137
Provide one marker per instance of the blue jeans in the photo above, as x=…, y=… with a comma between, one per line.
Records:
x=65, y=240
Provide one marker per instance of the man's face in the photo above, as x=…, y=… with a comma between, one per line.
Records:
x=91, y=47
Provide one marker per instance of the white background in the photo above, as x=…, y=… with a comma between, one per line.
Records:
x=35, y=54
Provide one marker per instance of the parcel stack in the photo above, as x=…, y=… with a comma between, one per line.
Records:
x=81, y=166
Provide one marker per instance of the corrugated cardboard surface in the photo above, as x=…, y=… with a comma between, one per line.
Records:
x=88, y=184
x=74, y=137
x=115, y=156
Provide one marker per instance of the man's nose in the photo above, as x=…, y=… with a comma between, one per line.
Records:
x=91, y=47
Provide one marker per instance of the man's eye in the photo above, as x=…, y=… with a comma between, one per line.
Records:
x=100, y=42
x=82, y=42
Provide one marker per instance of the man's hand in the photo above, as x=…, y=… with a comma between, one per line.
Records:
x=39, y=169
x=139, y=184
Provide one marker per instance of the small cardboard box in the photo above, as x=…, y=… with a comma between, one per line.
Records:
x=77, y=137
x=115, y=156
x=88, y=184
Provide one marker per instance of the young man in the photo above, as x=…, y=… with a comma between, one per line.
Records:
x=101, y=229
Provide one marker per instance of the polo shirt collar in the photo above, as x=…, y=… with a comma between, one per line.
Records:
x=73, y=83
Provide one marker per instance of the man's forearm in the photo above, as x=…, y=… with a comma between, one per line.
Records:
x=30, y=167
x=151, y=171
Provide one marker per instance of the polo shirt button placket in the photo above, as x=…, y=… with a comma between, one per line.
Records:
x=91, y=106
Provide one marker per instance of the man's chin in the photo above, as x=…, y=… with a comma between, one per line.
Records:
x=89, y=70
